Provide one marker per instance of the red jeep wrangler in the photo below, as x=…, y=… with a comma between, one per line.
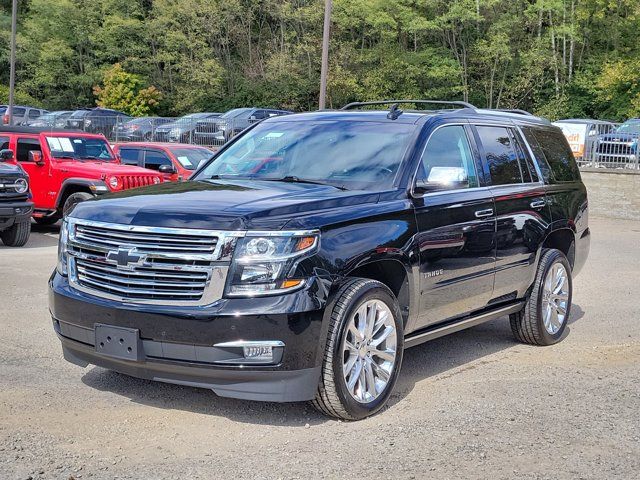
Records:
x=66, y=167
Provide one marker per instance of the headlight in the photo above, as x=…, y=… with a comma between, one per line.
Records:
x=21, y=185
x=265, y=264
x=61, y=267
x=114, y=183
x=156, y=180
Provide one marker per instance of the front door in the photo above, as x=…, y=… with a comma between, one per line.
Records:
x=38, y=174
x=457, y=228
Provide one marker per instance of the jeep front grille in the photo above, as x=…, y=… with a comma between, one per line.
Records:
x=135, y=181
x=149, y=265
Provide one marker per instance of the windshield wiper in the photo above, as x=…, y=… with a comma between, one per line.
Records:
x=294, y=179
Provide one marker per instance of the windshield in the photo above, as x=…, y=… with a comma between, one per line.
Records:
x=346, y=154
x=80, y=148
x=629, y=127
x=190, y=158
x=235, y=112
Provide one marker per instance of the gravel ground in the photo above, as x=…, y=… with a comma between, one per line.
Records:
x=472, y=405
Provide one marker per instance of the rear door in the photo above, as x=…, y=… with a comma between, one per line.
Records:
x=456, y=228
x=131, y=155
x=523, y=215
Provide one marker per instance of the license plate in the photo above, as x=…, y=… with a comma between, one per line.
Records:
x=118, y=342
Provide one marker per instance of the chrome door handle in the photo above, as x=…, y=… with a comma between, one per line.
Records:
x=484, y=213
x=538, y=203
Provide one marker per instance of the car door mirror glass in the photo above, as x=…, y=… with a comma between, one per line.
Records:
x=167, y=169
x=6, y=155
x=36, y=157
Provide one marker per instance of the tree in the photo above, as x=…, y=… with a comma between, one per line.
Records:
x=124, y=91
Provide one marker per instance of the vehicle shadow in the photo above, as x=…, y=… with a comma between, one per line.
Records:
x=446, y=354
x=41, y=236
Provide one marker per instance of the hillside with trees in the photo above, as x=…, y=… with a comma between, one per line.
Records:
x=558, y=58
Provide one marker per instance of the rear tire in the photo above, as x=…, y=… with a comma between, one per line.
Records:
x=17, y=235
x=366, y=316
x=544, y=317
x=73, y=199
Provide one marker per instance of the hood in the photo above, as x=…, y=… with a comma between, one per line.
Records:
x=97, y=169
x=221, y=204
x=618, y=137
x=11, y=170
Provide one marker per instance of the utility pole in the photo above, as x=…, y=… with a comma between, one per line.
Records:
x=12, y=61
x=328, y=4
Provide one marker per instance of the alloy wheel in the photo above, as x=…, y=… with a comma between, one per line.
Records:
x=369, y=351
x=555, y=298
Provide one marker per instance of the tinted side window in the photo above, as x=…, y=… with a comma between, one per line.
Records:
x=447, y=159
x=33, y=113
x=500, y=154
x=4, y=143
x=25, y=145
x=529, y=172
x=129, y=156
x=558, y=154
x=153, y=160
x=538, y=154
x=18, y=111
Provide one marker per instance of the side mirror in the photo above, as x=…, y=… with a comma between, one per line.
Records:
x=36, y=157
x=6, y=155
x=167, y=169
x=252, y=118
x=423, y=186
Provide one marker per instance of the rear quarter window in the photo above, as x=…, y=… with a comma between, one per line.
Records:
x=557, y=153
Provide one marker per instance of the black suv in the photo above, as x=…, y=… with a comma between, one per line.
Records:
x=311, y=250
x=15, y=206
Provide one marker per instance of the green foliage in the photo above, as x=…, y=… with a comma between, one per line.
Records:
x=555, y=57
x=124, y=91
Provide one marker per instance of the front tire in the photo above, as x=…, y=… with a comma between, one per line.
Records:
x=544, y=317
x=73, y=199
x=363, y=353
x=17, y=235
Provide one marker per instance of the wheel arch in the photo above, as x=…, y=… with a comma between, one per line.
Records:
x=75, y=185
x=563, y=239
x=395, y=275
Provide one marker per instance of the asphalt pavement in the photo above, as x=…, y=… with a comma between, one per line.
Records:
x=475, y=404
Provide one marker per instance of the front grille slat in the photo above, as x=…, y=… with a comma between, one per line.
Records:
x=160, y=265
x=101, y=275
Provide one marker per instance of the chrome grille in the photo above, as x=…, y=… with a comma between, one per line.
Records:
x=148, y=264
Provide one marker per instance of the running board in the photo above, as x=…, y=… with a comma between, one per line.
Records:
x=440, y=330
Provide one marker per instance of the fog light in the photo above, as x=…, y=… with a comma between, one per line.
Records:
x=258, y=353
x=252, y=352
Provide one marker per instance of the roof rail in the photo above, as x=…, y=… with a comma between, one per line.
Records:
x=353, y=105
x=514, y=110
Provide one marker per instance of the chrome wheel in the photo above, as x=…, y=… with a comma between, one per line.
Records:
x=555, y=298
x=369, y=351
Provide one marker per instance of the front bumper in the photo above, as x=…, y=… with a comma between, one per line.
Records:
x=178, y=342
x=12, y=212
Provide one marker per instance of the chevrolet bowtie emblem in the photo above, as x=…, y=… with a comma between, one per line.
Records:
x=126, y=258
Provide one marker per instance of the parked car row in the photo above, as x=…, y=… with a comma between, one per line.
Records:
x=210, y=129
x=600, y=143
